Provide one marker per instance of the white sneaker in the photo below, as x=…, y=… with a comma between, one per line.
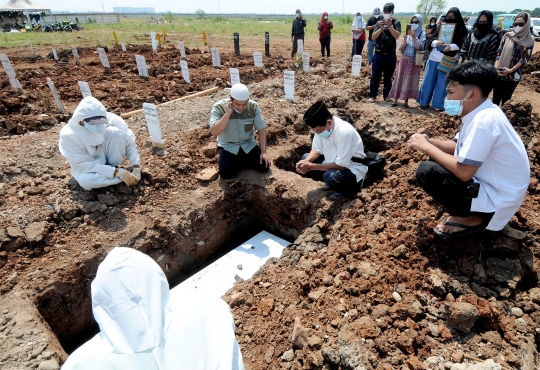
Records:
x=371, y=100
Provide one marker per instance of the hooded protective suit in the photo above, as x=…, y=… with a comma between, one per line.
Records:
x=142, y=329
x=90, y=153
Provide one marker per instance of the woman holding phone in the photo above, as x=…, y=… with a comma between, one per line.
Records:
x=406, y=83
x=515, y=50
x=433, y=89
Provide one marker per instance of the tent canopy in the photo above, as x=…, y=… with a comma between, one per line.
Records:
x=23, y=6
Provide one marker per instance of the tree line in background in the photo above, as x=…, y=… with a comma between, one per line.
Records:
x=437, y=7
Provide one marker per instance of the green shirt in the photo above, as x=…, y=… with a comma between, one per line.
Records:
x=239, y=130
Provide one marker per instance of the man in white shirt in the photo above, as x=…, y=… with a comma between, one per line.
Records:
x=335, y=150
x=481, y=176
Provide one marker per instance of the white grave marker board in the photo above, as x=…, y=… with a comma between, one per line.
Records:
x=216, y=61
x=356, y=65
x=185, y=70
x=152, y=35
x=235, y=76
x=55, y=95
x=182, y=48
x=258, y=59
x=305, y=62
x=300, y=44
x=75, y=55
x=124, y=47
x=141, y=65
x=55, y=54
x=31, y=49
x=288, y=84
x=85, y=89
x=103, y=57
x=154, y=46
x=7, y=65
x=154, y=127
x=101, y=43
x=15, y=83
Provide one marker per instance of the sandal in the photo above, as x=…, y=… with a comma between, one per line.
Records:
x=406, y=105
x=393, y=104
x=468, y=230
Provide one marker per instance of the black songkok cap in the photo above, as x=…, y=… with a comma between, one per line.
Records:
x=317, y=115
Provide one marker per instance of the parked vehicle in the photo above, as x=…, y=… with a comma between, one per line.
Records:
x=536, y=28
x=507, y=20
x=470, y=23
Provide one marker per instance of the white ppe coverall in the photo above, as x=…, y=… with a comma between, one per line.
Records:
x=141, y=329
x=93, y=155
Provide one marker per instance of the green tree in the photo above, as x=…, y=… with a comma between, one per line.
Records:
x=535, y=12
x=431, y=7
x=200, y=13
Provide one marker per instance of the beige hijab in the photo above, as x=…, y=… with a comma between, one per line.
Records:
x=523, y=38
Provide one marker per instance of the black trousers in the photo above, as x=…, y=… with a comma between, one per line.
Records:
x=325, y=44
x=357, y=47
x=230, y=164
x=447, y=189
x=341, y=181
x=503, y=91
x=295, y=44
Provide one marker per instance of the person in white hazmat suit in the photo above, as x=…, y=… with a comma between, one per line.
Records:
x=95, y=142
x=140, y=328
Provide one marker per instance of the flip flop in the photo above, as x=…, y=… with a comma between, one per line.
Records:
x=468, y=230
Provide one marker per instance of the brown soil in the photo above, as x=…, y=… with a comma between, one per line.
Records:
x=364, y=279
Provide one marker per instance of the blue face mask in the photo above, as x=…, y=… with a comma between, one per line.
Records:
x=93, y=128
x=326, y=134
x=454, y=107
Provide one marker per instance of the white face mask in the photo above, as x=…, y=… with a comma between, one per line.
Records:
x=325, y=17
x=414, y=26
x=237, y=111
x=432, y=24
x=358, y=18
x=517, y=29
x=297, y=15
x=387, y=16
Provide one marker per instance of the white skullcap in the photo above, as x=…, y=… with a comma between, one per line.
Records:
x=239, y=92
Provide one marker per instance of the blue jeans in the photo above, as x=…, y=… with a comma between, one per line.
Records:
x=382, y=65
x=370, y=50
x=433, y=87
x=341, y=181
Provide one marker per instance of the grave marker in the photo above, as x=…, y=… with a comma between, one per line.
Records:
x=236, y=37
x=305, y=62
x=216, y=61
x=300, y=44
x=153, y=124
x=204, y=38
x=115, y=38
x=141, y=66
x=288, y=85
x=55, y=95
x=267, y=44
x=154, y=46
x=103, y=56
x=85, y=89
x=124, y=47
x=185, y=71
x=7, y=65
x=15, y=84
x=235, y=76
x=31, y=49
x=182, y=48
x=54, y=54
x=101, y=43
x=75, y=55
x=356, y=65
x=257, y=59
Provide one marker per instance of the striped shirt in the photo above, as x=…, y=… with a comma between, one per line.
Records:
x=485, y=48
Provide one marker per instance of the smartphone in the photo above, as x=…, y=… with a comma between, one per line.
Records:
x=407, y=29
x=443, y=18
x=472, y=190
x=501, y=68
x=441, y=47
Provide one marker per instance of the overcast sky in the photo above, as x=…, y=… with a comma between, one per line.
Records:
x=273, y=6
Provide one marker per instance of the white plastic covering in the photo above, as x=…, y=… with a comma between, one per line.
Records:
x=140, y=328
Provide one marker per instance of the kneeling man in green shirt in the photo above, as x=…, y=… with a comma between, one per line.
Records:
x=232, y=122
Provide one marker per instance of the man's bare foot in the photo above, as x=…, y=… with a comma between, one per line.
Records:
x=473, y=220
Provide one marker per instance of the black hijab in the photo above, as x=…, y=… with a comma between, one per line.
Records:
x=461, y=30
x=481, y=30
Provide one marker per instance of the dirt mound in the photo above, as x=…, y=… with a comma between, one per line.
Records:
x=364, y=283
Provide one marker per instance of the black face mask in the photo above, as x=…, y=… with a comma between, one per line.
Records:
x=450, y=20
x=483, y=28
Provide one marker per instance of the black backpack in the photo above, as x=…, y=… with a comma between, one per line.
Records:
x=375, y=164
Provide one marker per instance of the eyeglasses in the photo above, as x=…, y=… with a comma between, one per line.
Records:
x=415, y=22
x=521, y=24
